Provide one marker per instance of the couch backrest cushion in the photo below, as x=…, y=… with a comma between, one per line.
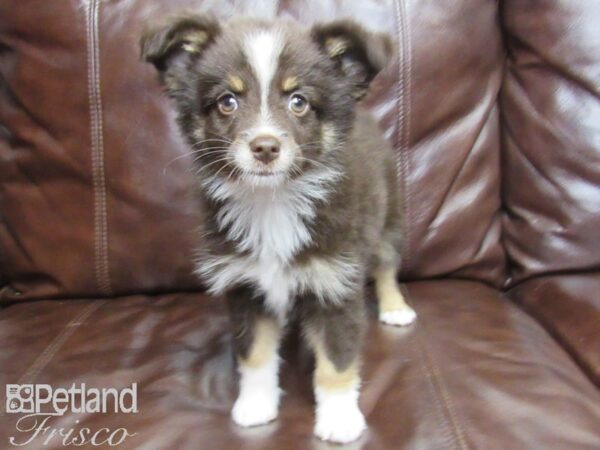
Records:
x=94, y=202
x=446, y=131
x=551, y=136
x=91, y=203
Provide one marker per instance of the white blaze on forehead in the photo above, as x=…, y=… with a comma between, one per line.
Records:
x=262, y=49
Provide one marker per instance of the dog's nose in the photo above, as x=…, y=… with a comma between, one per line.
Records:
x=265, y=148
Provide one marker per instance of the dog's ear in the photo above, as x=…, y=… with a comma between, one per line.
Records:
x=180, y=39
x=359, y=54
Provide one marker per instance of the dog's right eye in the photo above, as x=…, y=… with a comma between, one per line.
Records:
x=227, y=104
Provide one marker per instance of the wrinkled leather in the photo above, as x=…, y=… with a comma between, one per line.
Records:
x=569, y=307
x=550, y=104
x=493, y=110
x=63, y=228
x=88, y=216
x=446, y=131
x=474, y=372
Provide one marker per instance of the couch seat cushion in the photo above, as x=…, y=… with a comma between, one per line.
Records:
x=474, y=372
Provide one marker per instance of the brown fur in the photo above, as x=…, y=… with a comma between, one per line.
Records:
x=331, y=65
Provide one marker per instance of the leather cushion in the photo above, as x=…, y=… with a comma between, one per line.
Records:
x=550, y=104
x=95, y=202
x=474, y=372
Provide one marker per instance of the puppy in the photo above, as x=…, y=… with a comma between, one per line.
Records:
x=300, y=191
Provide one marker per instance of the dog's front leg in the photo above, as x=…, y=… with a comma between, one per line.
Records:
x=256, y=336
x=335, y=333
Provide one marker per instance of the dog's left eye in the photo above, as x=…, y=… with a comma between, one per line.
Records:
x=227, y=104
x=298, y=104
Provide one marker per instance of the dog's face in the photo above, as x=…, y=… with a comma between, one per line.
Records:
x=264, y=102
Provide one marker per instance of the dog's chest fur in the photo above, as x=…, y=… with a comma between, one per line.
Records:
x=269, y=226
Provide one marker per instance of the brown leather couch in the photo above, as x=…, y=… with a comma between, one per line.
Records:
x=494, y=109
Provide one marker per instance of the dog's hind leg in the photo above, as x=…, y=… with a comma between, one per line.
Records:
x=393, y=309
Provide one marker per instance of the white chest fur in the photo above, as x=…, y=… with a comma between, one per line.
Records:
x=269, y=226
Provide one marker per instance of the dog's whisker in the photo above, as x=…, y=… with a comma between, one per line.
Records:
x=192, y=153
x=221, y=136
x=214, y=139
x=233, y=172
x=213, y=163
x=201, y=145
x=312, y=161
x=217, y=144
x=199, y=156
x=200, y=149
x=219, y=171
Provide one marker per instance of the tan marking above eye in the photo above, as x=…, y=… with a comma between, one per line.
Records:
x=289, y=84
x=194, y=41
x=237, y=84
x=336, y=46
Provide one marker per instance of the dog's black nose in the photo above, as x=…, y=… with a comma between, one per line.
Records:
x=265, y=148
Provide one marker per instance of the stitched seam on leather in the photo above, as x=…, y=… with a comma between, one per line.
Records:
x=447, y=433
x=46, y=356
x=441, y=416
x=442, y=393
x=97, y=147
x=403, y=119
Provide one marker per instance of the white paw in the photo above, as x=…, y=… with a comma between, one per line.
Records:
x=256, y=409
x=338, y=417
x=400, y=317
x=340, y=426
